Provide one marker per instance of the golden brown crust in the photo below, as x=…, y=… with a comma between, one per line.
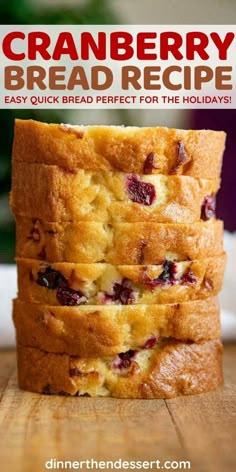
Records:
x=120, y=149
x=192, y=280
x=176, y=368
x=121, y=243
x=98, y=196
x=96, y=331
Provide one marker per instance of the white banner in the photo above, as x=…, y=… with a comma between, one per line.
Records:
x=118, y=66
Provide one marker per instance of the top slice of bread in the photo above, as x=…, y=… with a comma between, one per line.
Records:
x=125, y=149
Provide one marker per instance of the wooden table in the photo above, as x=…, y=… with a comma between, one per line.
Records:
x=35, y=428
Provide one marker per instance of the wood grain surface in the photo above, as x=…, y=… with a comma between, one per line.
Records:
x=35, y=428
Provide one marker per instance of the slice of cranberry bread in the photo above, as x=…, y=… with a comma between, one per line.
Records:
x=95, y=331
x=120, y=243
x=54, y=194
x=170, y=369
x=71, y=284
x=124, y=149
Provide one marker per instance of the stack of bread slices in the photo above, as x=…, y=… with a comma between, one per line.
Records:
x=120, y=259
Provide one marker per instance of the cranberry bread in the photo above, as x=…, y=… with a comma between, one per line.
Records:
x=124, y=149
x=121, y=243
x=97, y=284
x=59, y=195
x=170, y=369
x=95, y=331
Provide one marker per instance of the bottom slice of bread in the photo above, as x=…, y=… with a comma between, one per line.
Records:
x=170, y=369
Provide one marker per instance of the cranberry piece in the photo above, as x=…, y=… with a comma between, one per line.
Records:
x=149, y=165
x=122, y=293
x=51, y=279
x=140, y=192
x=70, y=297
x=182, y=158
x=54, y=280
x=168, y=274
x=208, y=209
x=150, y=343
x=125, y=359
x=166, y=277
x=188, y=277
